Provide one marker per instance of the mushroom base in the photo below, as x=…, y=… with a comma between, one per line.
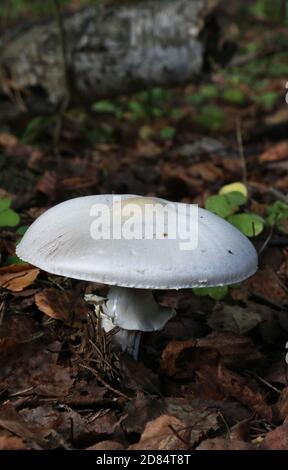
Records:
x=133, y=311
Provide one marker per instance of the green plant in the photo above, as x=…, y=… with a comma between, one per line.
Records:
x=216, y=293
x=167, y=133
x=8, y=217
x=211, y=117
x=227, y=204
x=277, y=214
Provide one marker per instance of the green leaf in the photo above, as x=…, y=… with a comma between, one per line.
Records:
x=209, y=91
x=267, y=100
x=211, y=117
x=37, y=127
x=137, y=109
x=13, y=259
x=194, y=99
x=236, y=199
x=277, y=214
x=9, y=218
x=157, y=112
x=277, y=69
x=232, y=187
x=234, y=96
x=167, y=133
x=216, y=293
x=104, y=106
x=5, y=203
x=22, y=230
x=220, y=205
x=249, y=224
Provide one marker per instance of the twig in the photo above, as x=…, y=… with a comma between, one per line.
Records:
x=267, y=383
x=267, y=241
x=269, y=189
x=180, y=437
x=103, y=382
x=241, y=150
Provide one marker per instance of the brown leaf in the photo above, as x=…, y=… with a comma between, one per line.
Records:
x=34, y=368
x=275, y=153
x=14, y=331
x=48, y=183
x=276, y=439
x=86, y=394
x=10, y=442
x=13, y=422
x=181, y=358
x=62, y=305
x=283, y=268
x=163, y=433
x=277, y=373
x=16, y=277
x=207, y=171
x=264, y=283
x=238, y=387
x=106, y=445
x=241, y=430
x=219, y=443
x=233, y=318
x=136, y=376
x=146, y=408
x=199, y=419
x=7, y=140
x=282, y=404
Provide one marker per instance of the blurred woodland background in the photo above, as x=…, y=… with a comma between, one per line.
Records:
x=171, y=98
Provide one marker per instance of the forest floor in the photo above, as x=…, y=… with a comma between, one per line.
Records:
x=216, y=376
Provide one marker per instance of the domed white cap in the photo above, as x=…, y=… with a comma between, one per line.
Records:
x=60, y=241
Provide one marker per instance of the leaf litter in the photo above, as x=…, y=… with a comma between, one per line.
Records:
x=216, y=376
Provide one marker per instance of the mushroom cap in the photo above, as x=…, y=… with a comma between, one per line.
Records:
x=60, y=242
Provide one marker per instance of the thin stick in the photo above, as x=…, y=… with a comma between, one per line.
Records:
x=241, y=150
x=103, y=382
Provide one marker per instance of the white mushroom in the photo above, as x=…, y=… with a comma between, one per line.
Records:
x=91, y=238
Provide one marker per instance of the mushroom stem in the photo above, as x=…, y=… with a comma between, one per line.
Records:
x=133, y=311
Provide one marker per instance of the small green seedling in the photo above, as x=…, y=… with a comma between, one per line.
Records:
x=8, y=217
x=227, y=204
x=277, y=214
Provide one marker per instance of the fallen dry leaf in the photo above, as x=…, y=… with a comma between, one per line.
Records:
x=219, y=443
x=34, y=368
x=199, y=419
x=275, y=153
x=10, y=442
x=181, y=358
x=146, y=408
x=207, y=171
x=13, y=422
x=16, y=277
x=233, y=318
x=282, y=404
x=136, y=376
x=19, y=329
x=164, y=433
x=7, y=140
x=276, y=439
x=238, y=387
x=62, y=305
x=106, y=445
x=265, y=284
x=48, y=184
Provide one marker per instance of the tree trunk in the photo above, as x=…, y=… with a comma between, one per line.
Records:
x=109, y=50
